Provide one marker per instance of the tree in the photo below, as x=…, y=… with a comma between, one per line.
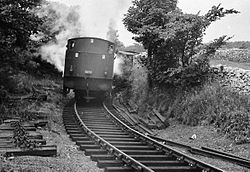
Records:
x=146, y=18
x=18, y=22
x=171, y=37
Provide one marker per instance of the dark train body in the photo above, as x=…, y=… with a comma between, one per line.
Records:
x=88, y=67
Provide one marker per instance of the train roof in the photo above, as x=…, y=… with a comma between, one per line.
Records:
x=90, y=38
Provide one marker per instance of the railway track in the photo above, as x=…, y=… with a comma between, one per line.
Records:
x=117, y=147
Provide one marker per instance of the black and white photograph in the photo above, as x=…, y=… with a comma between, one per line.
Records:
x=124, y=86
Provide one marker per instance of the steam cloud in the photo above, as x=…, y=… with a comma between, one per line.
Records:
x=86, y=18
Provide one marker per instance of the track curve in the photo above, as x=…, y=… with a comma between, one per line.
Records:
x=117, y=147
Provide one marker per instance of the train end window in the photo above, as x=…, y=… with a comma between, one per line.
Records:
x=111, y=49
x=76, y=54
x=71, y=44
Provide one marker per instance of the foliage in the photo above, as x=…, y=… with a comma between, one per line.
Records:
x=178, y=59
x=18, y=52
x=213, y=104
x=139, y=86
x=237, y=126
x=122, y=82
x=171, y=37
x=145, y=19
x=43, y=68
x=3, y=109
x=18, y=22
x=194, y=74
x=19, y=83
x=209, y=104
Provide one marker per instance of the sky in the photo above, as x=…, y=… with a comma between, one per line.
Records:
x=236, y=25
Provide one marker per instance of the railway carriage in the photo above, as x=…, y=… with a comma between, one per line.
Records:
x=88, y=67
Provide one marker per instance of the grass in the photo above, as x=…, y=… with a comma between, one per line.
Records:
x=206, y=136
x=213, y=104
x=68, y=158
x=210, y=104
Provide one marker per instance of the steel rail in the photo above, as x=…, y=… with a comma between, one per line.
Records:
x=244, y=163
x=224, y=153
x=170, y=142
x=171, y=151
x=112, y=149
x=205, y=151
x=132, y=121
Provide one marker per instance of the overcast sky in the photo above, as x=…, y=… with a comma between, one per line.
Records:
x=237, y=25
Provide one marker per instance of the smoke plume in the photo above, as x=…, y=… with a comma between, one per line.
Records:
x=63, y=23
x=92, y=18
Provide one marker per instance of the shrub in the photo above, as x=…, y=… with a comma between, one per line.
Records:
x=237, y=126
x=139, y=83
x=215, y=105
x=121, y=83
x=189, y=76
x=19, y=83
x=210, y=104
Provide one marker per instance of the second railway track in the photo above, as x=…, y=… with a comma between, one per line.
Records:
x=118, y=148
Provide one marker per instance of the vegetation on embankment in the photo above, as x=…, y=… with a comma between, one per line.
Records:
x=21, y=63
x=212, y=104
x=175, y=76
x=208, y=104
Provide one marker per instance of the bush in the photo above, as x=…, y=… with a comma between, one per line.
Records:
x=215, y=105
x=120, y=83
x=237, y=126
x=210, y=104
x=139, y=83
x=19, y=83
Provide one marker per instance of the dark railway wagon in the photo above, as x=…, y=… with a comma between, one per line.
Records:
x=88, y=67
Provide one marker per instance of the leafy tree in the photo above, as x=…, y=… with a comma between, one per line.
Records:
x=146, y=18
x=18, y=22
x=171, y=37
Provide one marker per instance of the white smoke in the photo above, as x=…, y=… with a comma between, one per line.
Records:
x=93, y=20
x=67, y=25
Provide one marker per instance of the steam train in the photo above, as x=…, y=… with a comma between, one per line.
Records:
x=88, y=69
